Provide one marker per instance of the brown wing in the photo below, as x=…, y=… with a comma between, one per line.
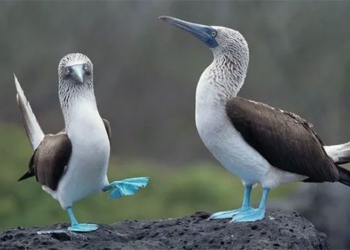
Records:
x=108, y=129
x=284, y=139
x=49, y=160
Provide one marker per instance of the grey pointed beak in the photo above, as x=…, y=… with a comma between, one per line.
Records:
x=202, y=32
x=78, y=72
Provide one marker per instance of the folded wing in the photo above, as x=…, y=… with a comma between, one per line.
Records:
x=49, y=160
x=284, y=139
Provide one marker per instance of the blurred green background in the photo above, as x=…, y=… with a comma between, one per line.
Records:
x=146, y=73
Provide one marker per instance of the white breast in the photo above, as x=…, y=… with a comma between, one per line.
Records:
x=87, y=169
x=227, y=144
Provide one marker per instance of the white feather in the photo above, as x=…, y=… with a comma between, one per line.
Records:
x=87, y=169
x=226, y=143
x=33, y=129
x=337, y=152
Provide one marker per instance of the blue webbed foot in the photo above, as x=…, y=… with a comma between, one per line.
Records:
x=79, y=227
x=250, y=215
x=245, y=207
x=126, y=187
x=83, y=227
x=228, y=214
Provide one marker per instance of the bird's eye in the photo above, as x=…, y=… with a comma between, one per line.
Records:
x=86, y=69
x=68, y=71
x=214, y=33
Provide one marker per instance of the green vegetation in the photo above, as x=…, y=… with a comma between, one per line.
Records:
x=171, y=192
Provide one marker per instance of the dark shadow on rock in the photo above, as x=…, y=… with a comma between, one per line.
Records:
x=279, y=230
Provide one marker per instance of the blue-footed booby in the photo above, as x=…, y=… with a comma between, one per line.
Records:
x=72, y=164
x=256, y=142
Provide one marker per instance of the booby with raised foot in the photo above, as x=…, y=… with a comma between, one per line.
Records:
x=72, y=164
x=256, y=142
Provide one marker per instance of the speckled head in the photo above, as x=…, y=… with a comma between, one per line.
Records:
x=75, y=75
x=221, y=40
x=231, y=55
x=75, y=68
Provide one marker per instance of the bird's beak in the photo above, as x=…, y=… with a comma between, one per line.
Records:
x=78, y=72
x=202, y=32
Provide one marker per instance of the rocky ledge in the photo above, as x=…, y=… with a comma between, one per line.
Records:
x=279, y=230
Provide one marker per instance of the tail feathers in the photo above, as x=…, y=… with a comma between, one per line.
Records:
x=26, y=176
x=344, y=176
x=339, y=153
x=32, y=127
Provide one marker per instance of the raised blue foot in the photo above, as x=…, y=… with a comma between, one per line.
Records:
x=228, y=214
x=126, y=187
x=83, y=228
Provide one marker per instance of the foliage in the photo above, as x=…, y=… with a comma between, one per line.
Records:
x=171, y=192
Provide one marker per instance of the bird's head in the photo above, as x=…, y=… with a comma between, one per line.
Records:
x=75, y=68
x=75, y=74
x=221, y=40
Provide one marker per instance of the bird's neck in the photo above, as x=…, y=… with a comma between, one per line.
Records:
x=79, y=107
x=221, y=80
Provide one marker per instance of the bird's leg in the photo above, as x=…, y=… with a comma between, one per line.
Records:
x=254, y=214
x=79, y=227
x=125, y=187
x=245, y=206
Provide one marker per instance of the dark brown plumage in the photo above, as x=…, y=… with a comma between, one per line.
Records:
x=108, y=129
x=285, y=140
x=50, y=159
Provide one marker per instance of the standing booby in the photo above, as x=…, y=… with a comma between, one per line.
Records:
x=73, y=164
x=256, y=142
